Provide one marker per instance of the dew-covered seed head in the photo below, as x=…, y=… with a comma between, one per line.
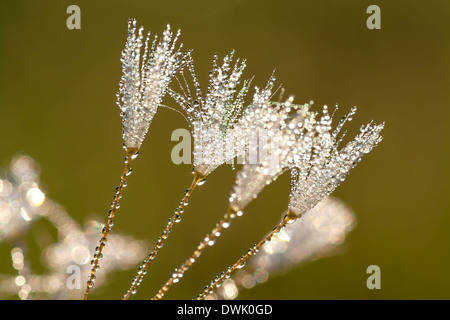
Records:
x=147, y=73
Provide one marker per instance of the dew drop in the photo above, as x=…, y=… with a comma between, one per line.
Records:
x=134, y=156
x=241, y=265
x=367, y=148
x=98, y=256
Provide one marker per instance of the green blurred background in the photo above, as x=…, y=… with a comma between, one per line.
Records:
x=57, y=104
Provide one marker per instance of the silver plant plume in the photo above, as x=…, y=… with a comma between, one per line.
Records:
x=321, y=166
x=318, y=234
x=213, y=118
x=23, y=202
x=276, y=153
x=145, y=79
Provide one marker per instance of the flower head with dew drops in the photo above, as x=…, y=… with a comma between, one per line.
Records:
x=145, y=79
x=213, y=117
x=321, y=166
x=277, y=149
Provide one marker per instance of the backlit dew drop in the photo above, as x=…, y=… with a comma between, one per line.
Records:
x=241, y=264
x=290, y=217
x=135, y=155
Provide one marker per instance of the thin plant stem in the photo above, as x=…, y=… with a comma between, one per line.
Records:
x=288, y=218
x=131, y=154
x=209, y=240
x=142, y=270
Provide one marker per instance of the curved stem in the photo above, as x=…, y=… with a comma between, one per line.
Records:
x=288, y=218
x=176, y=218
x=131, y=154
x=209, y=240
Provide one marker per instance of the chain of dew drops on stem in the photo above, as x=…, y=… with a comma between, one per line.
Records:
x=132, y=154
x=199, y=179
x=217, y=282
x=209, y=240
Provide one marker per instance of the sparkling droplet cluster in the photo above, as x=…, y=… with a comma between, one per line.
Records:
x=321, y=166
x=145, y=79
x=213, y=117
x=280, y=124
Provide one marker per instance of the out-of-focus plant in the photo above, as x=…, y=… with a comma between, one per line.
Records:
x=22, y=202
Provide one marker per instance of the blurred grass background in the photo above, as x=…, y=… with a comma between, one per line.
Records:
x=57, y=104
